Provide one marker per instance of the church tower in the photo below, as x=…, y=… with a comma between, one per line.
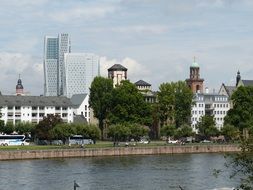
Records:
x=19, y=88
x=195, y=82
x=238, y=78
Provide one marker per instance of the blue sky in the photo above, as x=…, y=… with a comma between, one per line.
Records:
x=155, y=39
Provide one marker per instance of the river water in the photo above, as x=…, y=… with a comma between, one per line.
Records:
x=151, y=172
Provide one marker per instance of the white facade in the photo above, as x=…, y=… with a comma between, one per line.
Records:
x=210, y=104
x=32, y=109
x=54, y=49
x=83, y=109
x=80, y=69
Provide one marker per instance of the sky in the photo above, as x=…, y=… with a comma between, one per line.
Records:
x=155, y=39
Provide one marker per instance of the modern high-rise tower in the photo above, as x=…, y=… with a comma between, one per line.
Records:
x=54, y=71
x=80, y=70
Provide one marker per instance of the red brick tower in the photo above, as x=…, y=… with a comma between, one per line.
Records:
x=195, y=82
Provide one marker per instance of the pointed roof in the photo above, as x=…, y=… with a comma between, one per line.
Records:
x=117, y=67
x=19, y=84
x=247, y=82
x=195, y=64
x=229, y=89
x=77, y=99
x=142, y=83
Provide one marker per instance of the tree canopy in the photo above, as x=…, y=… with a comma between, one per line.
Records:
x=100, y=99
x=241, y=114
x=206, y=126
x=175, y=101
x=129, y=106
x=44, y=127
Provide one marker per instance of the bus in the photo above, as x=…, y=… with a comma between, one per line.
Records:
x=79, y=140
x=6, y=140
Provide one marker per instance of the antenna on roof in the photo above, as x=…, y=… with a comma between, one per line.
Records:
x=194, y=59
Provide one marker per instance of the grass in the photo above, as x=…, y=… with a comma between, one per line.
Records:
x=99, y=144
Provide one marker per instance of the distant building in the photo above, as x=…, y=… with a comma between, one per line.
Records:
x=228, y=90
x=54, y=71
x=34, y=108
x=209, y=104
x=19, y=87
x=195, y=82
x=117, y=73
x=143, y=86
x=80, y=70
x=146, y=90
x=206, y=103
x=81, y=106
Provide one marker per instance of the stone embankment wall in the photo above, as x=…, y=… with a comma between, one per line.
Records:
x=118, y=151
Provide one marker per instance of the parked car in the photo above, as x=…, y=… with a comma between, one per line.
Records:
x=173, y=141
x=205, y=141
x=144, y=141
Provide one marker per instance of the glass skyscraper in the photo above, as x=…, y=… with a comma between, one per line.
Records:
x=80, y=70
x=54, y=71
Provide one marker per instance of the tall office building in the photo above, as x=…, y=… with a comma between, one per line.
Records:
x=54, y=71
x=80, y=70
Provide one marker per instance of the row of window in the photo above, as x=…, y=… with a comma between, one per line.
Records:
x=220, y=112
x=35, y=115
x=220, y=105
x=36, y=108
x=215, y=105
x=196, y=112
x=216, y=119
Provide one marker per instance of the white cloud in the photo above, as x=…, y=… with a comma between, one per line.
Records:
x=136, y=71
x=13, y=64
x=143, y=29
x=83, y=12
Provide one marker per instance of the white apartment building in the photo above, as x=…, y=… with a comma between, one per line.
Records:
x=53, y=62
x=81, y=106
x=33, y=108
x=209, y=104
x=80, y=70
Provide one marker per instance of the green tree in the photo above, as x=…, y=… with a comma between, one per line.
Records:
x=62, y=131
x=8, y=128
x=230, y=132
x=88, y=131
x=241, y=164
x=138, y=131
x=166, y=101
x=168, y=131
x=100, y=99
x=94, y=132
x=129, y=106
x=2, y=125
x=184, y=131
x=119, y=132
x=241, y=115
x=175, y=101
x=155, y=129
x=44, y=128
x=25, y=128
x=206, y=127
x=183, y=103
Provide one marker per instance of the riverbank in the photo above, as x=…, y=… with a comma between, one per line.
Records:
x=116, y=151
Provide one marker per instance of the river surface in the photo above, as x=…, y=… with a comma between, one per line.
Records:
x=151, y=172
